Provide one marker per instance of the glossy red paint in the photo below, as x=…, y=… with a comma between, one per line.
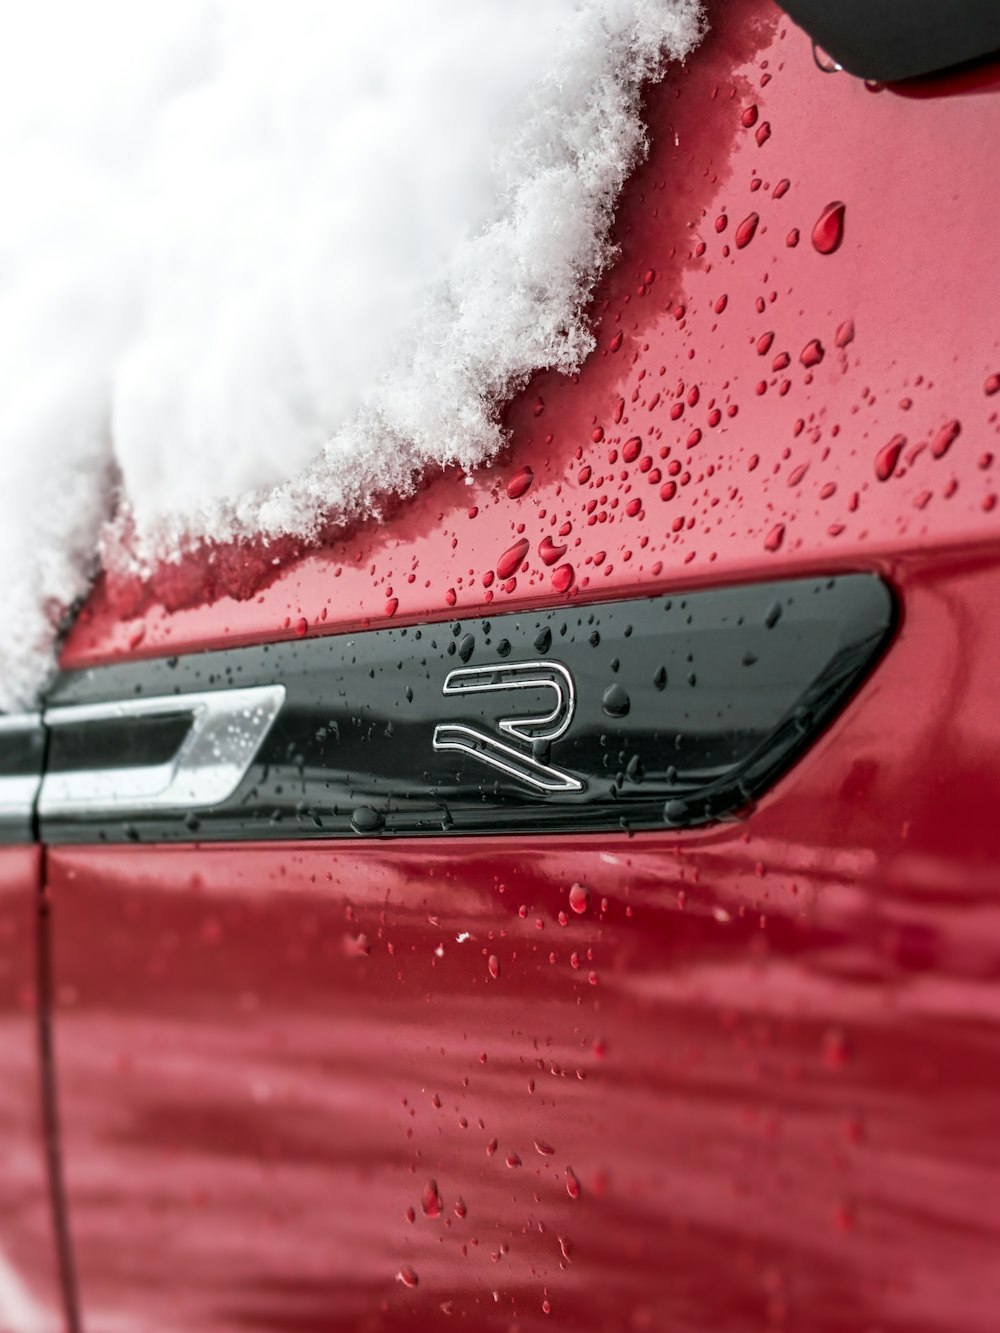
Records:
x=30, y=1300
x=765, y=1056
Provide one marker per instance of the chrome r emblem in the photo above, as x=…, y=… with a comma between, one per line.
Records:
x=516, y=762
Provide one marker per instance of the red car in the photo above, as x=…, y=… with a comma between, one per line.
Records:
x=574, y=901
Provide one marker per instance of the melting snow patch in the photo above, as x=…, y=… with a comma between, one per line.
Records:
x=262, y=263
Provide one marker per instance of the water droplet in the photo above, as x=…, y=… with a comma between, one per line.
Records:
x=845, y=333
x=460, y=1209
x=494, y=966
x=812, y=354
x=301, y=627
x=631, y=449
x=836, y=1050
x=549, y=552
x=745, y=231
x=660, y=679
x=829, y=229
x=888, y=457
x=562, y=578
x=407, y=1276
x=431, y=1201
x=572, y=1184
x=391, y=604
x=513, y=1160
x=764, y=343
x=774, y=539
x=792, y=239
x=510, y=562
x=579, y=898
x=544, y=1148
x=945, y=438
x=763, y=133
x=466, y=647
x=366, y=820
x=749, y=117
x=520, y=482
x=615, y=701
x=543, y=640
x=992, y=385
x=773, y=615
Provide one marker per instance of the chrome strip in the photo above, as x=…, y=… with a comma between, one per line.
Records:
x=18, y=792
x=227, y=729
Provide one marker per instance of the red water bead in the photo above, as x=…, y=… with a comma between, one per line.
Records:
x=992, y=385
x=549, y=552
x=775, y=538
x=945, y=438
x=301, y=627
x=494, y=966
x=888, y=456
x=828, y=232
x=721, y=222
x=763, y=133
x=632, y=508
x=745, y=231
x=520, y=482
x=845, y=333
x=749, y=117
x=430, y=1200
x=391, y=605
x=668, y=490
x=407, y=1276
x=579, y=899
x=597, y=434
x=510, y=562
x=616, y=342
x=631, y=449
x=562, y=578
x=572, y=1183
x=764, y=343
x=812, y=354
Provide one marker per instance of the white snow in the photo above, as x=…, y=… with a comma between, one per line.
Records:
x=263, y=260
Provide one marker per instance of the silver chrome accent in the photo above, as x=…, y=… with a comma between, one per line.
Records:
x=546, y=727
x=227, y=729
x=18, y=791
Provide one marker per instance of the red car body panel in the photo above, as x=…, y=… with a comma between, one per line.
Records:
x=755, y=1084
x=30, y=1296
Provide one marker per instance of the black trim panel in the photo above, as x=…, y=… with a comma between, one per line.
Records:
x=892, y=40
x=633, y=714
x=22, y=754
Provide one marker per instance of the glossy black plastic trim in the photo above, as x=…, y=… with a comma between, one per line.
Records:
x=637, y=714
x=893, y=40
x=22, y=754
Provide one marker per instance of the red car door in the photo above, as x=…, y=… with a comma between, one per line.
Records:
x=572, y=901
x=33, y=1240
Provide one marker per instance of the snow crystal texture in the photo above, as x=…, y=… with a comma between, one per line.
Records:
x=264, y=261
